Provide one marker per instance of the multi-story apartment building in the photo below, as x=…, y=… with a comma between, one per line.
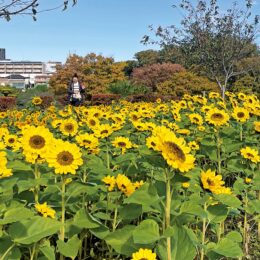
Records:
x=33, y=72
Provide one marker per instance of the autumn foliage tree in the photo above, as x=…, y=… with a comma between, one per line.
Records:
x=154, y=74
x=186, y=83
x=96, y=72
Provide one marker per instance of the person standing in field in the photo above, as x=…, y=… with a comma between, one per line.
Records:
x=75, y=91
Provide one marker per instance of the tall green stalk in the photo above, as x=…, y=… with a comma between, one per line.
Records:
x=36, y=188
x=168, y=213
x=63, y=207
x=218, y=151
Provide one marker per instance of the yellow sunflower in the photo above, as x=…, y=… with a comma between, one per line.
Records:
x=45, y=210
x=240, y=114
x=4, y=172
x=217, y=117
x=88, y=141
x=176, y=152
x=152, y=142
x=36, y=101
x=12, y=142
x=250, y=154
x=210, y=180
x=214, y=95
x=64, y=157
x=92, y=122
x=110, y=181
x=257, y=126
x=122, y=142
x=241, y=96
x=144, y=254
x=193, y=145
x=103, y=131
x=36, y=140
x=69, y=127
x=124, y=184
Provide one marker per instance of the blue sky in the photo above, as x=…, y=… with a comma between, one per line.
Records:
x=109, y=27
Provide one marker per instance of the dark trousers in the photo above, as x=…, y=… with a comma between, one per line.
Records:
x=76, y=102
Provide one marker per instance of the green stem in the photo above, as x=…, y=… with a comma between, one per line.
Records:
x=218, y=151
x=202, y=253
x=36, y=189
x=114, y=220
x=108, y=162
x=258, y=225
x=7, y=252
x=33, y=252
x=168, y=213
x=241, y=132
x=245, y=228
x=62, y=230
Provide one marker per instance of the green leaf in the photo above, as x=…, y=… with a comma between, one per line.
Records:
x=234, y=236
x=146, y=195
x=16, y=214
x=100, y=232
x=130, y=211
x=83, y=219
x=229, y=200
x=70, y=248
x=228, y=248
x=189, y=207
x=47, y=250
x=217, y=213
x=5, y=244
x=122, y=241
x=19, y=166
x=147, y=232
x=182, y=246
x=32, y=230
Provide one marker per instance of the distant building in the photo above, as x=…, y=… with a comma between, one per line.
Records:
x=33, y=72
x=2, y=54
x=21, y=67
x=15, y=80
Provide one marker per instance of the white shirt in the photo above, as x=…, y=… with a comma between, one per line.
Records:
x=76, y=93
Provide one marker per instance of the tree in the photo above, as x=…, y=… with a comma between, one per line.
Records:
x=212, y=39
x=186, y=83
x=9, y=8
x=154, y=74
x=95, y=71
x=147, y=57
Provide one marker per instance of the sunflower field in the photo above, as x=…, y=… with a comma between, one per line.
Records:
x=174, y=180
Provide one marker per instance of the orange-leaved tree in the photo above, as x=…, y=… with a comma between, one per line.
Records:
x=96, y=72
x=151, y=75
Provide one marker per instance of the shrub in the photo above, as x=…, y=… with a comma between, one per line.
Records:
x=152, y=75
x=7, y=103
x=248, y=85
x=100, y=99
x=186, y=83
x=126, y=88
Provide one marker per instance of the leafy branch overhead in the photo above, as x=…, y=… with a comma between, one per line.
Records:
x=10, y=8
x=210, y=38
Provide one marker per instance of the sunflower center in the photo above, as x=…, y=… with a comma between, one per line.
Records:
x=87, y=142
x=65, y=158
x=210, y=182
x=69, y=127
x=240, y=114
x=92, y=122
x=122, y=144
x=250, y=155
x=217, y=116
x=37, y=142
x=11, y=140
x=104, y=132
x=176, y=151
